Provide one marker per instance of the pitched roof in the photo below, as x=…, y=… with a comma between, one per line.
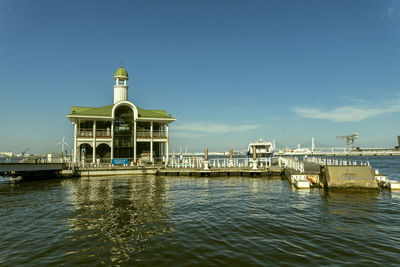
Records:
x=107, y=110
x=89, y=111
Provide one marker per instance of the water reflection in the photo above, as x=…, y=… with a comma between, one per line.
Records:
x=346, y=210
x=116, y=217
x=254, y=186
x=302, y=198
x=395, y=194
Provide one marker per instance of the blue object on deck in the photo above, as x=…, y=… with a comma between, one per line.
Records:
x=119, y=161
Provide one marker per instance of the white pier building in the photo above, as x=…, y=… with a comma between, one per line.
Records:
x=120, y=130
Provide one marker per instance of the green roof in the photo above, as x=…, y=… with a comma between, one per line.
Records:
x=106, y=111
x=88, y=111
x=120, y=72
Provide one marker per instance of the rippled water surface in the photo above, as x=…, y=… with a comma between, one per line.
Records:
x=186, y=221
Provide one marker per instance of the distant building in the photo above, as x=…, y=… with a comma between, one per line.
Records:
x=6, y=154
x=120, y=130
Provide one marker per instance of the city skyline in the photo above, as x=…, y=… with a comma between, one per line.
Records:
x=229, y=71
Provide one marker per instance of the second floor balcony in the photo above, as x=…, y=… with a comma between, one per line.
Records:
x=147, y=134
x=104, y=133
x=99, y=133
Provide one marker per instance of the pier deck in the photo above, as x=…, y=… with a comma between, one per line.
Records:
x=309, y=177
x=222, y=172
x=31, y=167
x=306, y=173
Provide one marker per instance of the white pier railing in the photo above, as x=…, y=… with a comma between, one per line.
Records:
x=186, y=162
x=292, y=163
x=198, y=162
x=336, y=162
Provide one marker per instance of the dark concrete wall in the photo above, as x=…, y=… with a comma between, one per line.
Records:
x=355, y=177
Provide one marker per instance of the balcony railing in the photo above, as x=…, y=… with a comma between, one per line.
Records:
x=85, y=133
x=159, y=134
x=142, y=134
x=146, y=134
x=103, y=133
x=107, y=133
x=89, y=133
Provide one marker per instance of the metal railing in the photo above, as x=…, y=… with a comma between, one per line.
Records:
x=174, y=162
x=159, y=134
x=292, y=163
x=107, y=133
x=99, y=133
x=37, y=159
x=85, y=133
x=107, y=162
x=142, y=134
x=336, y=162
x=147, y=134
x=198, y=162
x=103, y=133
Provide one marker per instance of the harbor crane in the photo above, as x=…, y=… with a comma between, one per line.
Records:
x=349, y=141
x=25, y=151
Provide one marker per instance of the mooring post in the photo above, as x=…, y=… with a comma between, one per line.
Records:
x=206, y=158
x=254, y=158
x=230, y=157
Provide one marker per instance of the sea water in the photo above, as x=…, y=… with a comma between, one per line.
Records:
x=184, y=221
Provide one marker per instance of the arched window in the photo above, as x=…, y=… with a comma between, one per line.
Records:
x=86, y=152
x=123, y=132
x=103, y=151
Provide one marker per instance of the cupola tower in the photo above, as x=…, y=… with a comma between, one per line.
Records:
x=120, y=87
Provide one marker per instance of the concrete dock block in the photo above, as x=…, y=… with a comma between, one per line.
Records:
x=349, y=177
x=394, y=185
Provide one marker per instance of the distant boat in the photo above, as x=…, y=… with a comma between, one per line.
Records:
x=264, y=150
x=296, y=152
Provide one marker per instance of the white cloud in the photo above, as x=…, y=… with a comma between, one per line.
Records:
x=210, y=128
x=351, y=112
x=390, y=11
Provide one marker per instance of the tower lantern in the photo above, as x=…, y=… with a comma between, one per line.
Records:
x=120, y=87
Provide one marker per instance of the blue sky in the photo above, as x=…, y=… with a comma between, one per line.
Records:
x=229, y=71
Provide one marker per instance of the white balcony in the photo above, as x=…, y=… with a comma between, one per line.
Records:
x=99, y=133
x=147, y=134
x=107, y=133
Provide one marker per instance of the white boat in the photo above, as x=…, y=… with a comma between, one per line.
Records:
x=264, y=150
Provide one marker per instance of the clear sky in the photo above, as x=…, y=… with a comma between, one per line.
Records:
x=229, y=71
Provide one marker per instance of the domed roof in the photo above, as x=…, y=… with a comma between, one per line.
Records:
x=120, y=73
